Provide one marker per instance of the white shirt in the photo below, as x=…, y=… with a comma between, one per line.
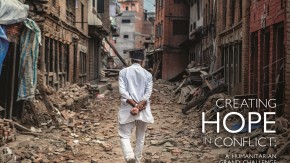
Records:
x=135, y=83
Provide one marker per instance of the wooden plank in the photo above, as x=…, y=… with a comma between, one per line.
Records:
x=208, y=84
x=283, y=149
x=17, y=125
x=47, y=103
x=112, y=70
x=156, y=69
x=116, y=52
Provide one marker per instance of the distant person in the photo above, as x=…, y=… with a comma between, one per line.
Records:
x=135, y=85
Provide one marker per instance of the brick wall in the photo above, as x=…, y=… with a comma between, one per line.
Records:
x=165, y=15
x=174, y=60
x=173, y=63
x=273, y=14
x=83, y=29
x=245, y=46
x=232, y=23
x=64, y=34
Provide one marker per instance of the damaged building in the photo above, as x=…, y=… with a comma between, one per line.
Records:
x=233, y=42
x=135, y=29
x=171, y=29
x=71, y=38
x=242, y=44
x=64, y=54
x=267, y=54
x=194, y=42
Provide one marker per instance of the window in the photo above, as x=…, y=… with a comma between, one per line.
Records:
x=254, y=63
x=94, y=3
x=157, y=3
x=178, y=1
x=160, y=3
x=233, y=13
x=206, y=15
x=241, y=9
x=159, y=29
x=54, y=3
x=76, y=4
x=101, y=6
x=127, y=8
x=209, y=13
x=180, y=27
x=126, y=36
x=56, y=61
x=283, y=4
x=126, y=21
x=224, y=13
x=124, y=51
x=198, y=10
x=133, y=4
x=231, y=56
x=83, y=70
x=67, y=61
x=82, y=16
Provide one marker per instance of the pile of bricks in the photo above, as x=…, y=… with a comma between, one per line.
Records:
x=7, y=132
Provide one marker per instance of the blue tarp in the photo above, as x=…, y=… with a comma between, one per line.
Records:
x=3, y=47
x=29, y=47
x=238, y=125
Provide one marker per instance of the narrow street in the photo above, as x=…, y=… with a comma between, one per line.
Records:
x=94, y=135
x=221, y=73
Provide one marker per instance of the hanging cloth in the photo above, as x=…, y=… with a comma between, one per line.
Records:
x=4, y=44
x=12, y=11
x=29, y=47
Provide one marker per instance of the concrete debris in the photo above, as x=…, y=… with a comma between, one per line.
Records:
x=67, y=114
x=88, y=132
x=6, y=155
x=199, y=91
x=106, y=146
x=33, y=129
x=7, y=132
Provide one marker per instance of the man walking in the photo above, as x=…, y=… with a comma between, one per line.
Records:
x=135, y=86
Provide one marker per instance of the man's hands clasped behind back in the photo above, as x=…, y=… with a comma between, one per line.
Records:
x=137, y=107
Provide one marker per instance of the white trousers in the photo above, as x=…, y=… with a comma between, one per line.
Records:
x=125, y=132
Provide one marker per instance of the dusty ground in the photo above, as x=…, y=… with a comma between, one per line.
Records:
x=91, y=136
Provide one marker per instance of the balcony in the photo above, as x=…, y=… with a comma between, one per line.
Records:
x=93, y=17
x=115, y=31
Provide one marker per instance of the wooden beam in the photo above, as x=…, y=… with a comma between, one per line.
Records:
x=116, y=52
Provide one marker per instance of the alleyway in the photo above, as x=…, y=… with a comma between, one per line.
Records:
x=95, y=139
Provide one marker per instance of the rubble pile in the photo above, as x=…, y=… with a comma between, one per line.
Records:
x=7, y=132
x=194, y=89
x=199, y=91
x=6, y=155
x=79, y=131
x=67, y=96
x=89, y=132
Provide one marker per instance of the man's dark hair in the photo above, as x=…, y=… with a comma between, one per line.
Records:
x=138, y=55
